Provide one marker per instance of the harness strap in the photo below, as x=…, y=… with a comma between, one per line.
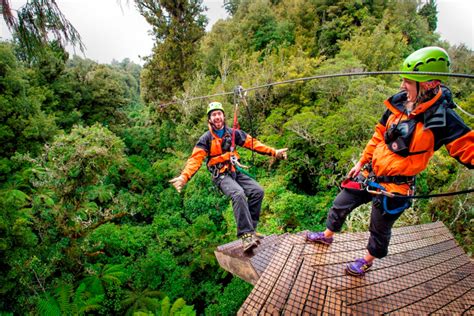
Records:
x=395, y=179
x=235, y=126
x=385, y=196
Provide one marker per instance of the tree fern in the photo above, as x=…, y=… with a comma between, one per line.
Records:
x=144, y=300
x=177, y=305
x=63, y=295
x=48, y=306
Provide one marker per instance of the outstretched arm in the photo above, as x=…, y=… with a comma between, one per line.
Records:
x=192, y=165
x=255, y=145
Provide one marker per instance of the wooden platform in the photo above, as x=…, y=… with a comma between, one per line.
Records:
x=248, y=266
x=425, y=272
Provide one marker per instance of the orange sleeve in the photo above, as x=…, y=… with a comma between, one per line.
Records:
x=377, y=137
x=462, y=149
x=255, y=145
x=194, y=163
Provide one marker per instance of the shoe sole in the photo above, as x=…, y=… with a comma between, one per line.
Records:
x=250, y=247
x=350, y=272
x=318, y=241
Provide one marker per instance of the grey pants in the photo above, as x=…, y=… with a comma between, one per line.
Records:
x=380, y=222
x=246, y=195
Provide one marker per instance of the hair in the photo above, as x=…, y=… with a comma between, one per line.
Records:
x=427, y=90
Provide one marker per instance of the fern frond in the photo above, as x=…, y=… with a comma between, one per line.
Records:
x=177, y=305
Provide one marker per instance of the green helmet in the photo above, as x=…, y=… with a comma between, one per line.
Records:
x=428, y=59
x=214, y=106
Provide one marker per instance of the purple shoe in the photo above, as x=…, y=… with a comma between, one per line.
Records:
x=358, y=267
x=318, y=237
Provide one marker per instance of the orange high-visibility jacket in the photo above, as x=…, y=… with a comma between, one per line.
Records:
x=209, y=146
x=436, y=124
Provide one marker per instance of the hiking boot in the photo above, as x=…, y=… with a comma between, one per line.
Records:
x=318, y=237
x=258, y=237
x=248, y=242
x=358, y=267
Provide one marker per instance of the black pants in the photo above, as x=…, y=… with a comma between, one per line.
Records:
x=380, y=222
x=246, y=195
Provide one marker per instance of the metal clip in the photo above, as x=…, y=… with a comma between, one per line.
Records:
x=215, y=172
x=235, y=162
x=379, y=192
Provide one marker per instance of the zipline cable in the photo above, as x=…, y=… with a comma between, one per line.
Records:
x=303, y=79
x=242, y=92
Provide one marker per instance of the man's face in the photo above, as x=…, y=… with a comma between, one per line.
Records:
x=410, y=87
x=217, y=119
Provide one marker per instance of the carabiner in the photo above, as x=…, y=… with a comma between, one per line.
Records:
x=381, y=192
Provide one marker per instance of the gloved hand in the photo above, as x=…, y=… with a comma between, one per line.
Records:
x=281, y=153
x=354, y=171
x=178, y=182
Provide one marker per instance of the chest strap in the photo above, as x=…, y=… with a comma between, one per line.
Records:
x=395, y=179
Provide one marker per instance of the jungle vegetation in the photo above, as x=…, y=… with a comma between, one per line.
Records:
x=88, y=221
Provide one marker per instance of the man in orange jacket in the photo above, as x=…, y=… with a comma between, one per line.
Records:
x=246, y=194
x=418, y=121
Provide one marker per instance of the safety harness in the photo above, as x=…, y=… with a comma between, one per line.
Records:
x=229, y=159
x=372, y=185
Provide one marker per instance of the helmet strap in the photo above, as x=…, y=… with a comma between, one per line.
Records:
x=212, y=127
x=418, y=93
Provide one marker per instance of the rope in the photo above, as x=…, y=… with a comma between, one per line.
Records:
x=347, y=74
x=240, y=93
x=464, y=111
x=431, y=195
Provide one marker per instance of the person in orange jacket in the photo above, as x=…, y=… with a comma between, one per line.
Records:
x=417, y=122
x=246, y=194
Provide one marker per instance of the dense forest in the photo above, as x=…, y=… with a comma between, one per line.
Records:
x=88, y=221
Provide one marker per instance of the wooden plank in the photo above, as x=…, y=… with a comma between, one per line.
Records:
x=268, y=292
x=398, y=270
x=356, y=241
x=336, y=270
x=299, y=293
x=331, y=256
x=285, y=282
x=247, y=266
x=316, y=299
x=463, y=305
x=373, y=291
x=425, y=272
x=424, y=297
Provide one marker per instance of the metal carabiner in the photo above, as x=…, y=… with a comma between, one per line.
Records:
x=233, y=160
x=372, y=191
x=381, y=192
x=215, y=172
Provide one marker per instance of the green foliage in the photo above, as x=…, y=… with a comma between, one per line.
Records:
x=177, y=27
x=231, y=6
x=89, y=223
x=141, y=301
x=229, y=302
x=24, y=125
x=377, y=49
x=429, y=11
x=36, y=22
x=80, y=159
x=66, y=301
x=178, y=308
